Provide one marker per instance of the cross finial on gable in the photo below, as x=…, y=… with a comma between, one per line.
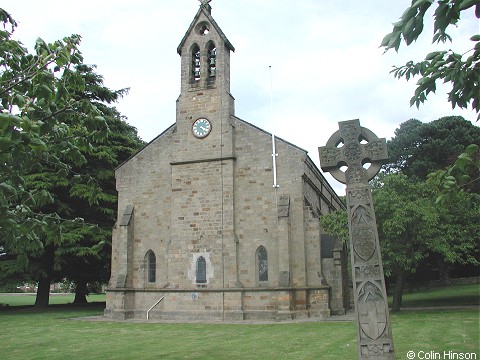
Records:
x=204, y=4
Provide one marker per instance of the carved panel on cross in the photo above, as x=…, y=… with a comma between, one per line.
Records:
x=371, y=311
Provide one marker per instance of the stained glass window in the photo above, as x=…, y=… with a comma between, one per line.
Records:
x=262, y=261
x=151, y=267
x=201, y=270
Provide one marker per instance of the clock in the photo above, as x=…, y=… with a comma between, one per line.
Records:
x=201, y=128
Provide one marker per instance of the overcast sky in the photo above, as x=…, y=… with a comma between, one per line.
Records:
x=325, y=57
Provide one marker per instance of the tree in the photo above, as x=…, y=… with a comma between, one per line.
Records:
x=412, y=228
x=463, y=176
x=45, y=130
x=404, y=222
x=98, y=207
x=405, y=226
x=462, y=69
x=336, y=224
x=420, y=148
x=89, y=191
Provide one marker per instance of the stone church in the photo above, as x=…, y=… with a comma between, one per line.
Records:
x=203, y=229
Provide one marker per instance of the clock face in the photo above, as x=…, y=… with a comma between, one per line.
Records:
x=201, y=128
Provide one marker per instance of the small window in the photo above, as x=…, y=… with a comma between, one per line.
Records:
x=151, y=267
x=262, y=262
x=201, y=274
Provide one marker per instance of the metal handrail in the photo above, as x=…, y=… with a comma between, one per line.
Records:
x=148, y=311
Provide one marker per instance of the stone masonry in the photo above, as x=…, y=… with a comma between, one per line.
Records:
x=225, y=243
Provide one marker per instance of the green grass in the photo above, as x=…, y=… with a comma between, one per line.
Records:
x=51, y=334
x=29, y=299
x=27, y=333
x=443, y=296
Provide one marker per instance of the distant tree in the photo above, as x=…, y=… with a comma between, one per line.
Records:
x=418, y=149
x=336, y=224
x=461, y=69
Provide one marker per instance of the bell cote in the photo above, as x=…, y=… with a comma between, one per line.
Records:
x=205, y=54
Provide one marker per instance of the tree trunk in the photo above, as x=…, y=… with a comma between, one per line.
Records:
x=81, y=292
x=443, y=272
x=398, y=291
x=43, y=292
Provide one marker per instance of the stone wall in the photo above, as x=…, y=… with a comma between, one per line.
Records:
x=213, y=199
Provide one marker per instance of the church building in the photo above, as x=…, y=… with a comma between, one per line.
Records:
x=210, y=224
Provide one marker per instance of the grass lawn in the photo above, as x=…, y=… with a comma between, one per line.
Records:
x=27, y=333
x=457, y=295
x=29, y=299
x=51, y=334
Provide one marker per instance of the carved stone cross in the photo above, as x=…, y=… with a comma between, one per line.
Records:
x=361, y=147
x=353, y=154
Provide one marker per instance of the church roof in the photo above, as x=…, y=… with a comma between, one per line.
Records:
x=205, y=9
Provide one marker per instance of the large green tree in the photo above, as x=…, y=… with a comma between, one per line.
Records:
x=413, y=228
x=50, y=118
x=419, y=149
x=98, y=207
x=461, y=69
x=88, y=192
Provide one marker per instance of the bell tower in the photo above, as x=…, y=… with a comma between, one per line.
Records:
x=202, y=163
x=205, y=104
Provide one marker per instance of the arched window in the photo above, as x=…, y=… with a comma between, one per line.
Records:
x=201, y=273
x=212, y=60
x=262, y=264
x=196, y=63
x=151, y=266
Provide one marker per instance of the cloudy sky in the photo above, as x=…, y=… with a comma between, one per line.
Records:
x=325, y=58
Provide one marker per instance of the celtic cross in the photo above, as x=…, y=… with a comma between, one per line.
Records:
x=353, y=154
x=361, y=147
